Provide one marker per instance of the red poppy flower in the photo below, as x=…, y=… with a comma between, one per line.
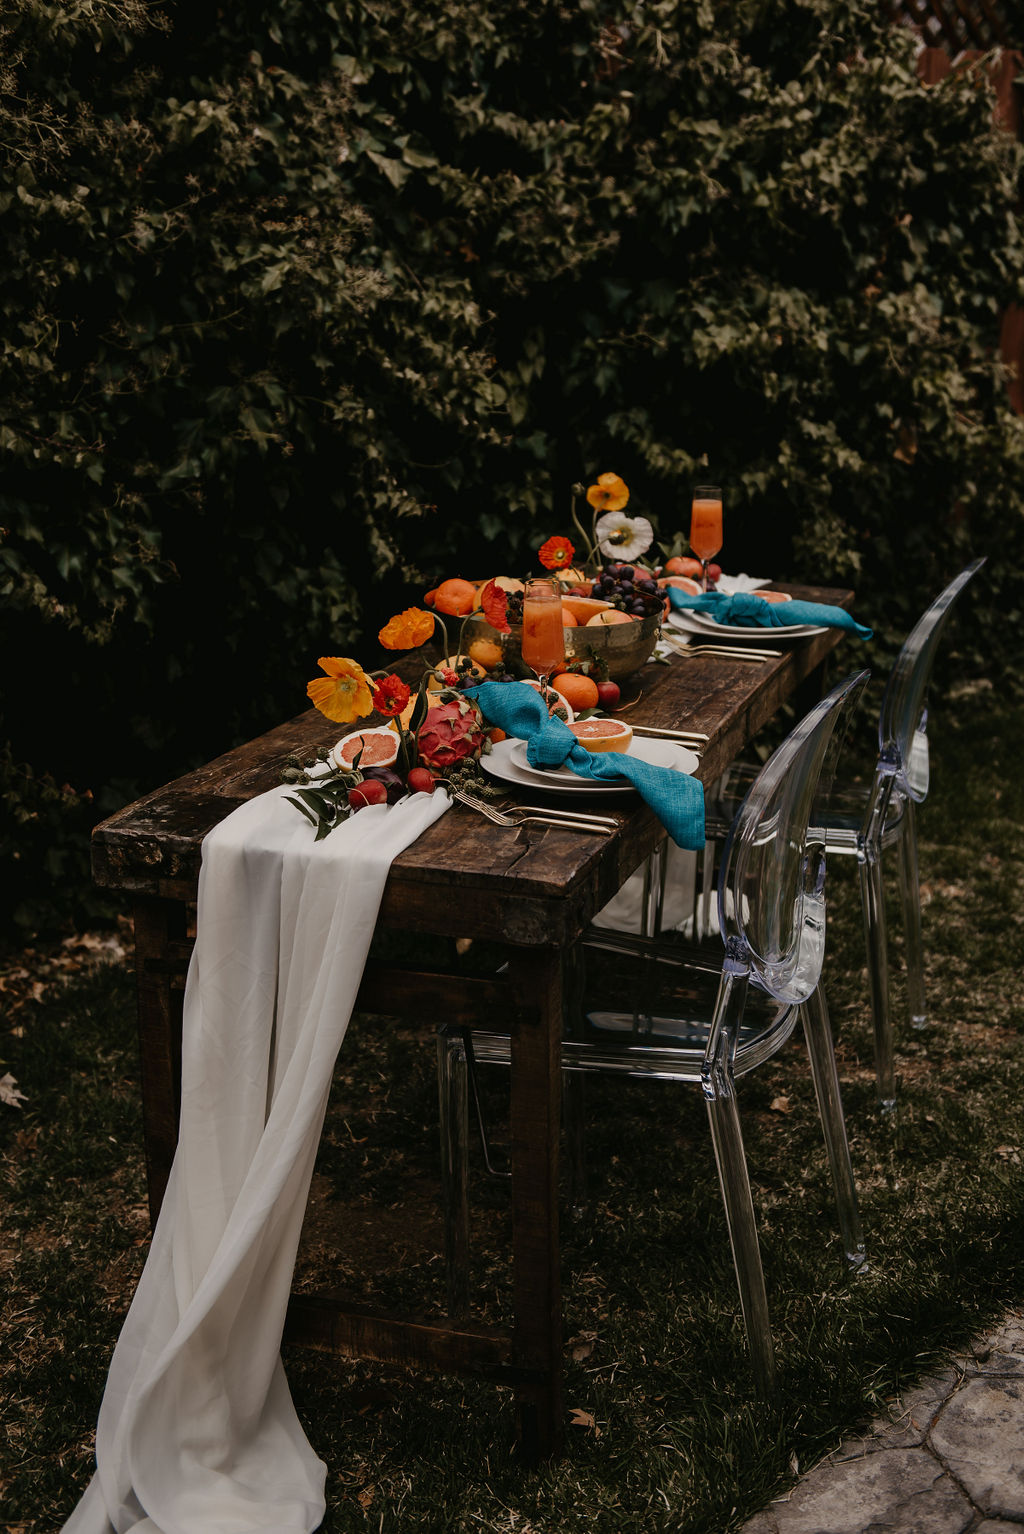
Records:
x=390, y=695
x=556, y=554
x=494, y=606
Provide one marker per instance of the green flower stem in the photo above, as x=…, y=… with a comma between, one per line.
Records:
x=590, y=539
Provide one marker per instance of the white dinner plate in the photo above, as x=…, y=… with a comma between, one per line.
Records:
x=689, y=622
x=507, y=761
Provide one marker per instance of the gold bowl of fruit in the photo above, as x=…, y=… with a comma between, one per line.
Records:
x=613, y=620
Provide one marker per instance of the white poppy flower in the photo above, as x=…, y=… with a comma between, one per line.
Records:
x=621, y=537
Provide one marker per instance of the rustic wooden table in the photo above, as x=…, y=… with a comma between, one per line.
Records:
x=534, y=891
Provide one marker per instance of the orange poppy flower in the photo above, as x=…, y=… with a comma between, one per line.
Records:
x=344, y=693
x=407, y=630
x=609, y=494
x=557, y=553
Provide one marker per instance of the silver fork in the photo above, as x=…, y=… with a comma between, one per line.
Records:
x=469, y=792
x=730, y=652
x=517, y=818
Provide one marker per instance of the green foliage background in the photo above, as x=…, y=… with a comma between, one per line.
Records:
x=329, y=300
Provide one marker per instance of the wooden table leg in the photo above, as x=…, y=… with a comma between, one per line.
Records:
x=161, y=963
x=535, y=1110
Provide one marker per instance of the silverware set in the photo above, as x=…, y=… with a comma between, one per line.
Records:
x=749, y=653
x=530, y=814
x=692, y=738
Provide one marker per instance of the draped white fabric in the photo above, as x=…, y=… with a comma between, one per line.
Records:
x=197, y=1433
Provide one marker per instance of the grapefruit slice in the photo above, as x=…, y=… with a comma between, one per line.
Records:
x=692, y=588
x=558, y=707
x=772, y=596
x=603, y=734
x=379, y=747
x=584, y=608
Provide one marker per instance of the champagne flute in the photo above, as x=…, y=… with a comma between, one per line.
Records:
x=706, y=526
x=543, y=646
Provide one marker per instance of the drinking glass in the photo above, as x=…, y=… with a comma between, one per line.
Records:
x=543, y=637
x=706, y=526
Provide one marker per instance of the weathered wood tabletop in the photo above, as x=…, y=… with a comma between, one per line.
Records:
x=534, y=890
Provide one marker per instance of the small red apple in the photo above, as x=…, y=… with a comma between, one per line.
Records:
x=608, y=695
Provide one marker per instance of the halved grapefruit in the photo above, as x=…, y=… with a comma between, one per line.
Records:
x=379, y=748
x=684, y=583
x=558, y=707
x=772, y=596
x=602, y=734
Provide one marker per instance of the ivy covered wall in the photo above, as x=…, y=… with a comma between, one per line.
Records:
x=301, y=312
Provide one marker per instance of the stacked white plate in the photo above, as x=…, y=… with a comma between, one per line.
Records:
x=507, y=762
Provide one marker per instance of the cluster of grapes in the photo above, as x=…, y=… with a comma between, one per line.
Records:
x=629, y=588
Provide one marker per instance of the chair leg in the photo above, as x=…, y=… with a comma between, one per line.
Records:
x=734, y=1180
x=719, y=1086
x=706, y=891
x=574, y=1119
x=910, y=891
x=453, y=1102
x=873, y=903
x=821, y=1051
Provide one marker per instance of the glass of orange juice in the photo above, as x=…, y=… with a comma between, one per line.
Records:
x=706, y=526
x=543, y=637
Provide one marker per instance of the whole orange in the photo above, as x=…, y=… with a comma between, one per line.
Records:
x=578, y=691
x=455, y=597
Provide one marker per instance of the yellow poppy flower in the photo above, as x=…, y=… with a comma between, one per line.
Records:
x=609, y=494
x=344, y=693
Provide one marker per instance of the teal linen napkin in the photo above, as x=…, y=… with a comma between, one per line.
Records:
x=749, y=611
x=676, y=799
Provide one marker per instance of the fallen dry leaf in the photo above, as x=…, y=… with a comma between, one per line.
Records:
x=9, y=1092
x=580, y=1418
x=780, y=1105
x=365, y=1497
x=582, y=1346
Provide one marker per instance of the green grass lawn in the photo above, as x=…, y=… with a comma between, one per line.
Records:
x=666, y=1432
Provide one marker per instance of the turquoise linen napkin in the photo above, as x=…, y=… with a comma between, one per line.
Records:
x=676, y=799
x=749, y=611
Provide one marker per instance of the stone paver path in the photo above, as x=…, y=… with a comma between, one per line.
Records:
x=950, y=1460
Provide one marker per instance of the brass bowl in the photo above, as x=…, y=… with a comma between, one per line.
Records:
x=624, y=647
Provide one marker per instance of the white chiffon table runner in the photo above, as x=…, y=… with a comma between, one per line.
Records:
x=197, y=1433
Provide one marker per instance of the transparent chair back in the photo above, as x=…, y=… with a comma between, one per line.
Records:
x=902, y=741
x=771, y=887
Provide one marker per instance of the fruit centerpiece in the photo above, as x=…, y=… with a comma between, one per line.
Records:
x=613, y=597
x=612, y=604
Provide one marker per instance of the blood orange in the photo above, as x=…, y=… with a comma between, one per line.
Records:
x=602, y=734
x=379, y=748
x=577, y=689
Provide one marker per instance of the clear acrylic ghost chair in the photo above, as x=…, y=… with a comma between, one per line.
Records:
x=864, y=819
x=741, y=1003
